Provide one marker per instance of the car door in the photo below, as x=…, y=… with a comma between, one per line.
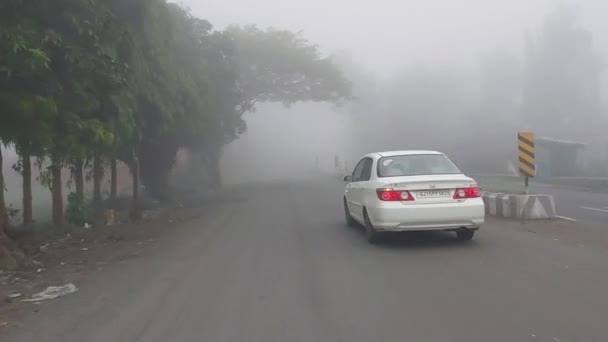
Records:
x=364, y=188
x=352, y=191
x=361, y=177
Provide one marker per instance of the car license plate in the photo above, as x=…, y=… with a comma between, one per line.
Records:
x=434, y=193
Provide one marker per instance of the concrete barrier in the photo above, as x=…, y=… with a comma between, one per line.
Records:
x=525, y=207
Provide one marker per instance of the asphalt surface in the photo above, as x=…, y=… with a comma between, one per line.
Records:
x=582, y=205
x=277, y=263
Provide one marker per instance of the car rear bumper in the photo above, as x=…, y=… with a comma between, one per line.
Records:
x=397, y=217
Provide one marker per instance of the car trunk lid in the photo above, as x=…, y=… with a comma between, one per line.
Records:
x=430, y=189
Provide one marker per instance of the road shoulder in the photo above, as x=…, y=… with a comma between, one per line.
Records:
x=568, y=232
x=83, y=255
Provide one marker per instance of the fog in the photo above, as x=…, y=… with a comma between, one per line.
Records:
x=291, y=146
x=460, y=76
x=386, y=35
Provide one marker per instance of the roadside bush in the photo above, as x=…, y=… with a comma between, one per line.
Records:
x=76, y=212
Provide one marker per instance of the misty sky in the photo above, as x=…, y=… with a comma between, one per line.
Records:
x=385, y=35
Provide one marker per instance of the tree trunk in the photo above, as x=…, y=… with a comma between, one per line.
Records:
x=6, y=259
x=27, y=188
x=213, y=168
x=156, y=164
x=78, y=174
x=57, y=191
x=113, y=181
x=97, y=179
x=3, y=214
x=135, y=209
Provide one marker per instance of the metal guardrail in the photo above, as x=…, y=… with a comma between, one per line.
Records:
x=515, y=184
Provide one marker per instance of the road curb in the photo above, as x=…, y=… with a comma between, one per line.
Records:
x=526, y=207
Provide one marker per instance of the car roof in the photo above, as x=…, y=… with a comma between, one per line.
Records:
x=406, y=153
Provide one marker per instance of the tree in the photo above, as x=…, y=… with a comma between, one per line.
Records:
x=23, y=62
x=498, y=115
x=156, y=84
x=271, y=66
x=500, y=85
x=281, y=66
x=562, y=73
x=4, y=252
x=135, y=81
x=226, y=73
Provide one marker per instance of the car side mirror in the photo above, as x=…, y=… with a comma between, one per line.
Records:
x=348, y=178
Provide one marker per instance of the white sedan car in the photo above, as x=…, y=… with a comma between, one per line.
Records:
x=412, y=191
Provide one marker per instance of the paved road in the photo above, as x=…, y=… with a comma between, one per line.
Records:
x=585, y=206
x=278, y=264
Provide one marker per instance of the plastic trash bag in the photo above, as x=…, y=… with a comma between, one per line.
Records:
x=53, y=292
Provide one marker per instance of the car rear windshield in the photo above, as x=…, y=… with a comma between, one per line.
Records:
x=414, y=165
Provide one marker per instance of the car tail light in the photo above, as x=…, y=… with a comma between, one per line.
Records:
x=388, y=194
x=470, y=192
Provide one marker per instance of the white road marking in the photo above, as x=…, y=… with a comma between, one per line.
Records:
x=596, y=209
x=566, y=218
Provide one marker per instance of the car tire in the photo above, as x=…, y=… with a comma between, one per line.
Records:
x=371, y=235
x=465, y=234
x=350, y=221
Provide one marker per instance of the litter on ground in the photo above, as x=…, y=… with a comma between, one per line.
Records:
x=53, y=292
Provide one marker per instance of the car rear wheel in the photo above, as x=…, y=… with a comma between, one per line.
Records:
x=465, y=234
x=371, y=235
x=350, y=221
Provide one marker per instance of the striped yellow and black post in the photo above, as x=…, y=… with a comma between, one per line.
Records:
x=527, y=160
